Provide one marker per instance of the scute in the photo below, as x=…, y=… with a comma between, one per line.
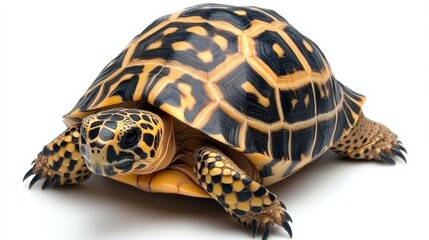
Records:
x=242, y=75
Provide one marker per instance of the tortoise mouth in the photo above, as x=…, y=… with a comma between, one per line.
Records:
x=108, y=170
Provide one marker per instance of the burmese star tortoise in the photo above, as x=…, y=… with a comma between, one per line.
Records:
x=214, y=101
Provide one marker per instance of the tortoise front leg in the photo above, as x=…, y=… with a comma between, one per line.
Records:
x=60, y=162
x=243, y=198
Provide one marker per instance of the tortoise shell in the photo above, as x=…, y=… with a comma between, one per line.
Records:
x=242, y=75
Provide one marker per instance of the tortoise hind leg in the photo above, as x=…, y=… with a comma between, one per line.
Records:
x=242, y=197
x=60, y=162
x=370, y=140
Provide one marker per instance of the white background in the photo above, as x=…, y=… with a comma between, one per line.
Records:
x=51, y=52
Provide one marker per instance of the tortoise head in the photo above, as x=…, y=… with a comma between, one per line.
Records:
x=121, y=141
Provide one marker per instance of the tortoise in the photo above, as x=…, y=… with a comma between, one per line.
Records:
x=214, y=101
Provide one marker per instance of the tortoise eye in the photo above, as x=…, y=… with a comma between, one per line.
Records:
x=130, y=138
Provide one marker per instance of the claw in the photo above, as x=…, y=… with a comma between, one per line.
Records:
x=386, y=158
x=47, y=182
x=398, y=153
x=288, y=217
x=254, y=227
x=287, y=227
x=267, y=230
x=35, y=179
x=402, y=147
x=29, y=173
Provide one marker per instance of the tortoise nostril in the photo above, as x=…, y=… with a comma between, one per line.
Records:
x=95, y=151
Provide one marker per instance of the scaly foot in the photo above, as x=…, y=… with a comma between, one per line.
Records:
x=242, y=197
x=60, y=162
x=370, y=140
